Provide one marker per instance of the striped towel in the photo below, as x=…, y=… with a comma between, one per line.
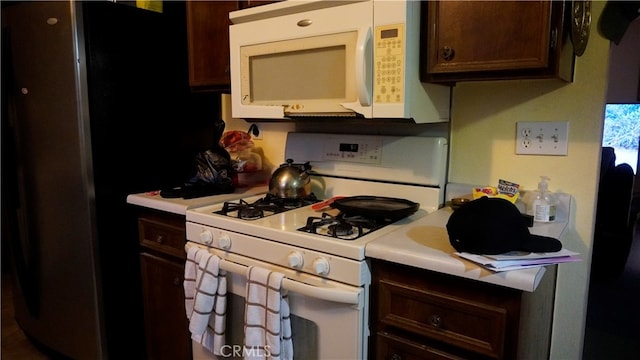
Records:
x=205, y=290
x=267, y=325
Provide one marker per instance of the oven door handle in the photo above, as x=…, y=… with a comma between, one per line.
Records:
x=323, y=293
x=328, y=294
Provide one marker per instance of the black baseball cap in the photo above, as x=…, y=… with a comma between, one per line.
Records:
x=492, y=226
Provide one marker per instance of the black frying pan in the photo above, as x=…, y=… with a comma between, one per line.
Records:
x=376, y=207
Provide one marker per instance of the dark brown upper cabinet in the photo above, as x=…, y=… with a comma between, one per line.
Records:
x=208, y=42
x=491, y=40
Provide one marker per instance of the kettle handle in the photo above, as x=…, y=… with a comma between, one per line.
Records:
x=305, y=167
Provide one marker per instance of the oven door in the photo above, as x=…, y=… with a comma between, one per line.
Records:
x=328, y=319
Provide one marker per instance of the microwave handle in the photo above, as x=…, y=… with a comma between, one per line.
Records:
x=364, y=61
x=363, y=74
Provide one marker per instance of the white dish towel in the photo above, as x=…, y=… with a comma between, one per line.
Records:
x=205, y=290
x=267, y=325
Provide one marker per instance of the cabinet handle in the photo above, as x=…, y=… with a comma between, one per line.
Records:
x=553, y=42
x=396, y=357
x=447, y=53
x=160, y=239
x=177, y=281
x=435, y=320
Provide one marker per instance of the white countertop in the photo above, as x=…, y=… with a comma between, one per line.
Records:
x=425, y=244
x=153, y=200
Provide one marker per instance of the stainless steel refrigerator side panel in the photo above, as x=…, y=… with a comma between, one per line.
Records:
x=56, y=201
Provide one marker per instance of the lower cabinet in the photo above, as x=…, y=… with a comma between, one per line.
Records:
x=162, y=258
x=420, y=314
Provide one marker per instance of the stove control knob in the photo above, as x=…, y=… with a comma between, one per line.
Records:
x=206, y=237
x=296, y=260
x=225, y=242
x=321, y=266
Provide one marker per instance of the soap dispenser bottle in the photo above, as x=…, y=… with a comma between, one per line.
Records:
x=542, y=203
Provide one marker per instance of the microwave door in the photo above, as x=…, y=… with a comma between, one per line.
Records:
x=256, y=111
x=309, y=76
x=282, y=69
x=363, y=75
x=238, y=77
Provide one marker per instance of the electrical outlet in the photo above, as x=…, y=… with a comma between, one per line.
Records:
x=542, y=137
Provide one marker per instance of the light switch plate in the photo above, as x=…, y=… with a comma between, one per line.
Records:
x=542, y=137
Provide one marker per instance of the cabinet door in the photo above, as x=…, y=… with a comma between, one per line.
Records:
x=208, y=43
x=471, y=40
x=166, y=324
x=422, y=314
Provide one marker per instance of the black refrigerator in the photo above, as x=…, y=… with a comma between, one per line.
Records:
x=95, y=106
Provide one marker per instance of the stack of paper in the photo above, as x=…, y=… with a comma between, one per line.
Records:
x=520, y=260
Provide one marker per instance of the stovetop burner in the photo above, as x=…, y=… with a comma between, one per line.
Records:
x=342, y=226
x=265, y=206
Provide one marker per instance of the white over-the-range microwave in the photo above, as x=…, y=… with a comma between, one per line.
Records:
x=318, y=58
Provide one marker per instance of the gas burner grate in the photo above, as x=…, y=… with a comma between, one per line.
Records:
x=268, y=205
x=288, y=203
x=249, y=211
x=342, y=226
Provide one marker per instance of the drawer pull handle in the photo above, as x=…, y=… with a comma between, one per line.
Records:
x=435, y=320
x=160, y=239
x=396, y=357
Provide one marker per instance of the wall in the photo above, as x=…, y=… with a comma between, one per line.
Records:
x=484, y=117
x=273, y=133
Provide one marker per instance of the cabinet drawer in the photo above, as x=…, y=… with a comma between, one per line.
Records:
x=461, y=322
x=163, y=237
x=389, y=346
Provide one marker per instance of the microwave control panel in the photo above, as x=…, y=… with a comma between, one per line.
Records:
x=389, y=64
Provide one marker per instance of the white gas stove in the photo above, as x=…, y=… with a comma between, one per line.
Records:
x=322, y=252
x=411, y=168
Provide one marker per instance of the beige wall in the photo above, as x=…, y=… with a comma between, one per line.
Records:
x=274, y=135
x=483, y=125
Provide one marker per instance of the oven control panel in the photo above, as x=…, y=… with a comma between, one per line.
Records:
x=390, y=159
x=292, y=257
x=359, y=150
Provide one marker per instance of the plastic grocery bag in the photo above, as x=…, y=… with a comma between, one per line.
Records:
x=214, y=172
x=213, y=175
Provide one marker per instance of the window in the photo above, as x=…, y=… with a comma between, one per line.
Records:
x=622, y=132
